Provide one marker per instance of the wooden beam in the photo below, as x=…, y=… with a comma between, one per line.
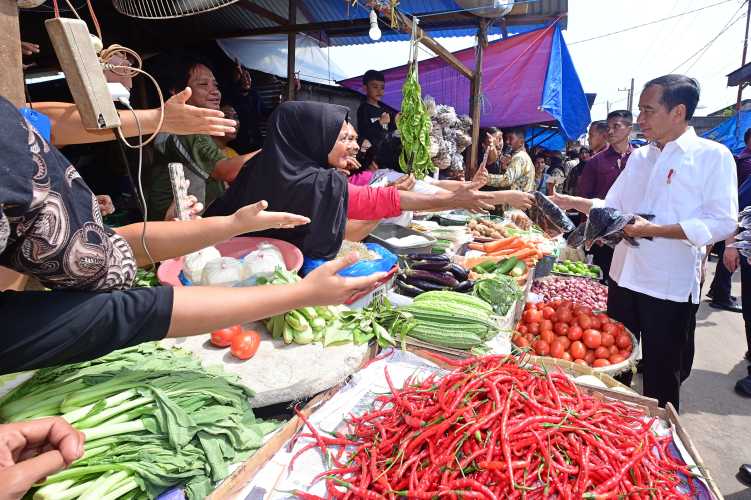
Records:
x=475, y=102
x=11, y=78
x=253, y=7
x=405, y=24
x=351, y=26
x=291, y=44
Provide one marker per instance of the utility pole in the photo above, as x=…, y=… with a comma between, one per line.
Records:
x=607, y=106
x=631, y=98
x=743, y=60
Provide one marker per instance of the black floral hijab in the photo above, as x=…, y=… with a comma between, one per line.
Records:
x=50, y=224
x=293, y=175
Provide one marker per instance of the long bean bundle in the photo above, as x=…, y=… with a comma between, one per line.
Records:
x=492, y=429
x=414, y=127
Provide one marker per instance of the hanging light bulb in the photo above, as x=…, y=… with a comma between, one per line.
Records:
x=375, y=31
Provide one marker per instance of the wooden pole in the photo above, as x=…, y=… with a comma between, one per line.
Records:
x=11, y=78
x=475, y=101
x=291, y=44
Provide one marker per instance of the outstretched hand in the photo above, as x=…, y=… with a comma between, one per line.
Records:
x=468, y=196
x=251, y=218
x=326, y=287
x=183, y=119
x=32, y=450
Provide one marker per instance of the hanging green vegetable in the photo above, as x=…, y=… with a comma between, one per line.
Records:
x=414, y=126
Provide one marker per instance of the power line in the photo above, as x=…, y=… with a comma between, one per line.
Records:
x=649, y=23
x=703, y=49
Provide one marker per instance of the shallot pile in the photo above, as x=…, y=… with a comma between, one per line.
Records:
x=578, y=290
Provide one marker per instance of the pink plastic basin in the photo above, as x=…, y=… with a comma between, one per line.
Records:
x=169, y=271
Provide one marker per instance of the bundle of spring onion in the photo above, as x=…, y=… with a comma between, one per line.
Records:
x=153, y=418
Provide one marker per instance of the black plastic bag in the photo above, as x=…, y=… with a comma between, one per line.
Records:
x=549, y=216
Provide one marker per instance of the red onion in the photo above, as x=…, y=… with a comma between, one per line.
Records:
x=578, y=290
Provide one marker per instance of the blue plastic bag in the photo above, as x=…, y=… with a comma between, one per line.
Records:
x=362, y=268
x=40, y=122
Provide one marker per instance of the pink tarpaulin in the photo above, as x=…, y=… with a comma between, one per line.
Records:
x=513, y=81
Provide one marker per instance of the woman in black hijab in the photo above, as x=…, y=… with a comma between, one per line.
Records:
x=293, y=173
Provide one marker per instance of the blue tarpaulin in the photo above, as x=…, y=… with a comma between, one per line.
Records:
x=527, y=79
x=729, y=133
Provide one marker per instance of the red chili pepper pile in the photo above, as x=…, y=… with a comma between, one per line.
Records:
x=492, y=429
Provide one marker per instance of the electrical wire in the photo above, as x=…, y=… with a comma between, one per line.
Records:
x=649, y=23
x=141, y=194
x=161, y=106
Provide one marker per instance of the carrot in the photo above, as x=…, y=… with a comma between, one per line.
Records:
x=501, y=244
x=523, y=254
x=506, y=251
x=471, y=262
x=476, y=246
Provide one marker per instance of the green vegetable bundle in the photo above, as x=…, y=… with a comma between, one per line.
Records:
x=414, y=126
x=451, y=319
x=305, y=325
x=499, y=290
x=153, y=418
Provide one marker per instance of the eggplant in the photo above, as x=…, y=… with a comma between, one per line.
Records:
x=444, y=279
x=425, y=285
x=429, y=265
x=407, y=289
x=429, y=256
x=458, y=271
x=464, y=286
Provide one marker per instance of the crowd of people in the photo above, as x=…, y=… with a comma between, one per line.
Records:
x=308, y=182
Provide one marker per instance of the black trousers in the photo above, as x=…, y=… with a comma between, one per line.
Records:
x=719, y=290
x=666, y=331
x=746, y=298
x=602, y=256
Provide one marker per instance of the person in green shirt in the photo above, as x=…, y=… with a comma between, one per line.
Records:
x=205, y=165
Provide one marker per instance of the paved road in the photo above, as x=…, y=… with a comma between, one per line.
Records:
x=717, y=419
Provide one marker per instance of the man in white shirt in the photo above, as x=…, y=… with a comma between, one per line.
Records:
x=689, y=184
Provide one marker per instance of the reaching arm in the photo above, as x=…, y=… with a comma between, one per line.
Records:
x=227, y=169
x=358, y=230
x=179, y=118
x=169, y=239
x=466, y=196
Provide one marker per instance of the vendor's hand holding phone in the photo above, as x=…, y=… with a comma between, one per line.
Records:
x=31, y=451
x=326, y=287
x=254, y=217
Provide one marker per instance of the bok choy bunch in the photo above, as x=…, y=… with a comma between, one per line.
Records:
x=153, y=418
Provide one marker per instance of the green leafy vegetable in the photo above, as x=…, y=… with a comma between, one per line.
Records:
x=414, y=127
x=498, y=290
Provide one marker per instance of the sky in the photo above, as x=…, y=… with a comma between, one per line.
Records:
x=699, y=44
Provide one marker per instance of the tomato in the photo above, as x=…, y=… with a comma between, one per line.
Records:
x=567, y=356
x=607, y=339
x=580, y=362
x=589, y=357
x=625, y=354
x=541, y=347
x=555, y=304
x=584, y=322
x=609, y=328
x=530, y=306
x=530, y=337
x=534, y=328
x=616, y=358
x=577, y=350
x=546, y=325
x=566, y=304
x=547, y=336
x=602, y=352
x=592, y=338
x=522, y=329
x=556, y=349
x=599, y=363
x=613, y=349
x=245, y=344
x=223, y=337
x=574, y=333
x=565, y=341
x=595, y=323
x=532, y=316
x=561, y=328
x=603, y=318
x=586, y=310
x=623, y=341
x=564, y=315
x=547, y=312
x=521, y=342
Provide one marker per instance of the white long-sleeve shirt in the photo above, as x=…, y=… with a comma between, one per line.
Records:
x=691, y=182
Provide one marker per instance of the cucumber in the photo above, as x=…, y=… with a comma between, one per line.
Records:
x=505, y=266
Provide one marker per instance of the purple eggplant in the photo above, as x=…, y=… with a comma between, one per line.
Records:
x=458, y=271
x=426, y=285
x=440, y=278
x=464, y=286
x=429, y=265
x=407, y=289
x=429, y=256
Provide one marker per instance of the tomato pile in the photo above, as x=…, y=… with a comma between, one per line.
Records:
x=564, y=330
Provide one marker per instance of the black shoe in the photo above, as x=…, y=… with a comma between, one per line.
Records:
x=744, y=474
x=743, y=387
x=748, y=357
x=726, y=306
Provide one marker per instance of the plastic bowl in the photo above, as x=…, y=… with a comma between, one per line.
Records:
x=238, y=247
